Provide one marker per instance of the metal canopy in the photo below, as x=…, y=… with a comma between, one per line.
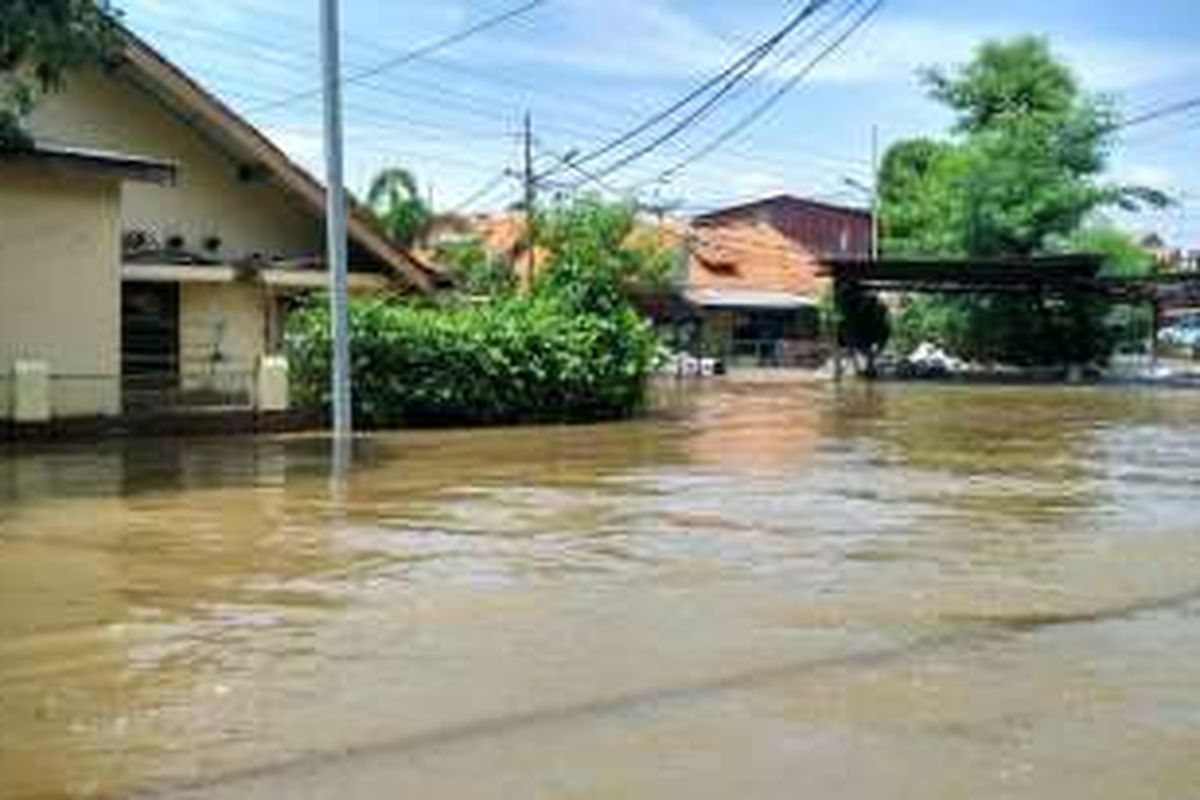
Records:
x=1069, y=274
x=1035, y=274
x=83, y=161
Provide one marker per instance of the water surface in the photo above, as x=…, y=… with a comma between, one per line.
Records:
x=767, y=590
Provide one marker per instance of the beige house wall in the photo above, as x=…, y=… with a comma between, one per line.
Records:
x=222, y=333
x=212, y=197
x=60, y=284
x=718, y=330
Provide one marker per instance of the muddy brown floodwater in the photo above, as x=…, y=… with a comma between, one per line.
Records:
x=766, y=590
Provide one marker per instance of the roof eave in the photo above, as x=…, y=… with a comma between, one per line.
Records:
x=165, y=76
x=95, y=163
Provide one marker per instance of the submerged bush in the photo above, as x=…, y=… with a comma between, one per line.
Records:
x=517, y=359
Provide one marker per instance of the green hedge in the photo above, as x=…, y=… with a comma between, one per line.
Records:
x=518, y=359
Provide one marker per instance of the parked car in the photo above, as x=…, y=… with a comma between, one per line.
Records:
x=1181, y=334
x=929, y=361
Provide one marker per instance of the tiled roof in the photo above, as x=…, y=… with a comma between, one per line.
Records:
x=746, y=255
x=738, y=257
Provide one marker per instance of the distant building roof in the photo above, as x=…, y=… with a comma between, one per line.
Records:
x=730, y=263
x=778, y=200
x=746, y=255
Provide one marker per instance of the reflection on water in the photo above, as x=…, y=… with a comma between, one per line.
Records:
x=771, y=589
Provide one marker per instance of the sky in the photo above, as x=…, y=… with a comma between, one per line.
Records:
x=588, y=70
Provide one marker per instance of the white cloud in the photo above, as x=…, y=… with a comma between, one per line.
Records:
x=756, y=184
x=626, y=38
x=1149, y=175
x=893, y=50
x=659, y=39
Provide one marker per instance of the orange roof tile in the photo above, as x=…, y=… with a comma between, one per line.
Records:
x=735, y=255
x=749, y=255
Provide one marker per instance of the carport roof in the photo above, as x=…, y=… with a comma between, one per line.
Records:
x=104, y=163
x=747, y=300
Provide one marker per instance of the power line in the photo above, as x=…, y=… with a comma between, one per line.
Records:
x=588, y=175
x=483, y=191
x=1170, y=110
x=478, y=105
x=671, y=133
x=723, y=82
x=414, y=54
x=763, y=108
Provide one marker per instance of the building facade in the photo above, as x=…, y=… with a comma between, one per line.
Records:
x=752, y=277
x=152, y=244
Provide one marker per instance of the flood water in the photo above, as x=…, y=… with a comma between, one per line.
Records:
x=766, y=590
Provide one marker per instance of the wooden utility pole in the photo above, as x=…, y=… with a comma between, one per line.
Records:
x=530, y=202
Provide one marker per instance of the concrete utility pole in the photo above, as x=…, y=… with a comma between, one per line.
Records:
x=875, y=201
x=530, y=202
x=872, y=191
x=335, y=219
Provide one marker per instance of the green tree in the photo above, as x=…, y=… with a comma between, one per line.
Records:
x=476, y=272
x=863, y=324
x=395, y=199
x=1131, y=326
x=41, y=41
x=1020, y=175
x=597, y=259
x=574, y=349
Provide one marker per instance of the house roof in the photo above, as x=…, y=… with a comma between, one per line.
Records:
x=734, y=263
x=154, y=72
x=78, y=160
x=780, y=199
x=743, y=255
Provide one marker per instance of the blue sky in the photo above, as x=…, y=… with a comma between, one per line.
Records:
x=589, y=69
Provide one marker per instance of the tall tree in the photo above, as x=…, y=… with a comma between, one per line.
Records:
x=1020, y=175
x=41, y=41
x=396, y=200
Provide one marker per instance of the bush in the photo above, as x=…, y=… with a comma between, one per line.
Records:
x=476, y=272
x=516, y=359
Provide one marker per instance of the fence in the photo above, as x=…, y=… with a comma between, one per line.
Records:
x=262, y=387
x=775, y=353
x=231, y=387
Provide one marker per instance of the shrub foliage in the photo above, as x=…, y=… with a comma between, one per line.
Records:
x=520, y=359
x=573, y=349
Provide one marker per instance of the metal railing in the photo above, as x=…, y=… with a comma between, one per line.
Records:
x=107, y=395
x=227, y=387
x=775, y=353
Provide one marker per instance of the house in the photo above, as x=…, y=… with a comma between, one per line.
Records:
x=747, y=289
x=152, y=242
x=1170, y=260
x=752, y=277
x=752, y=295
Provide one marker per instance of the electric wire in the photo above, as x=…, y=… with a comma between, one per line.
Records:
x=763, y=108
x=414, y=54
x=722, y=83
